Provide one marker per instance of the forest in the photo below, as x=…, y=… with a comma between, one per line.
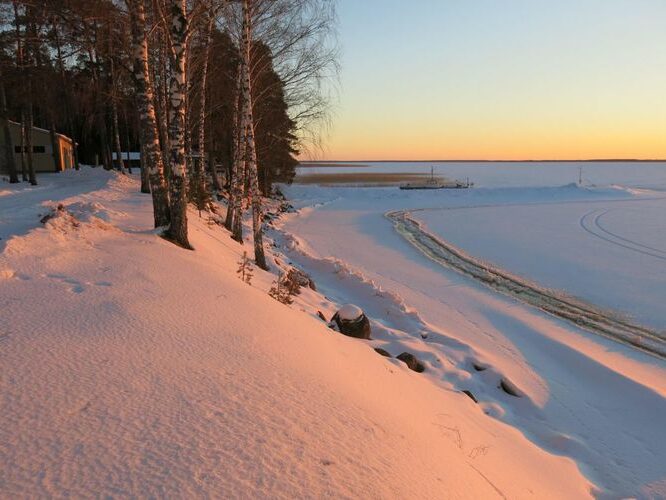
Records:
x=218, y=96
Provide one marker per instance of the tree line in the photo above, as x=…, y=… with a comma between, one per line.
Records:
x=218, y=95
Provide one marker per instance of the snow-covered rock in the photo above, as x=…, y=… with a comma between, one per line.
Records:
x=351, y=321
x=350, y=312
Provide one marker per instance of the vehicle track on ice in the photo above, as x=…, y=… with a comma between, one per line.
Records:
x=577, y=312
x=590, y=222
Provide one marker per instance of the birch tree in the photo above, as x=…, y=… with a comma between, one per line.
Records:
x=177, y=231
x=234, y=220
x=199, y=176
x=248, y=143
x=152, y=157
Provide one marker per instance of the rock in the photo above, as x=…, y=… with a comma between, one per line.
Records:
x=479, y=367
x=350, y=312
x=382, y=352
x=470, y=395
x=507, y=386
x=412, y=362
x=351, y=321
x=321, y=316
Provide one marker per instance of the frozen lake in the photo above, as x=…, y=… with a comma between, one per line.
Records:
x=512, y=174
x=603, y=241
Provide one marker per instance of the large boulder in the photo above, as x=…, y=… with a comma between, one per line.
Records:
x=351, y=321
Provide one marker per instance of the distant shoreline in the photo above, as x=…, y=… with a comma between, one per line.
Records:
x=353, y=162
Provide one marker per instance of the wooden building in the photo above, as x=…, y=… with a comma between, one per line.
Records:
x=43, y=158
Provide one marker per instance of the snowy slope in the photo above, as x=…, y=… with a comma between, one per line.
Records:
x=132, y=368
x=584, y=397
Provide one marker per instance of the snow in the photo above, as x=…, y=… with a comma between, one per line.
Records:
x=585, y=397
x=610, y=253
x=133, y=368
x=350, y=312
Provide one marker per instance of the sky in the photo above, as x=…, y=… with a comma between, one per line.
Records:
x=500, y=79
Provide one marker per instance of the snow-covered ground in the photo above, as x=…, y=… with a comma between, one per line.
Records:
x=584, y=396
x=133, y=368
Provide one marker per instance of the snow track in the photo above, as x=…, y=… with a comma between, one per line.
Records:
x=591, y=223
x=577, y=312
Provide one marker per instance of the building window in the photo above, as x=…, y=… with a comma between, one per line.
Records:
x=39, y=149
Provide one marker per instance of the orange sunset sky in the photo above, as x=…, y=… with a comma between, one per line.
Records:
x=510, y=79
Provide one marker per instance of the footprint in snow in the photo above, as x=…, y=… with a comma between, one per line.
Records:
x=76, y=286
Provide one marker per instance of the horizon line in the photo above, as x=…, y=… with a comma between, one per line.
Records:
x=590, y=160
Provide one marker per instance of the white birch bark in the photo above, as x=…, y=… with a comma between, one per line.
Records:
x=152, y=155
x=177, y=231
x=114, y=118
x=249, y=143
x=234, y=209
x=200, y=172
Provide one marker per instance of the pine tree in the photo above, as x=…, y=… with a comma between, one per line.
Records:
x=245, y=270
x=280, y=290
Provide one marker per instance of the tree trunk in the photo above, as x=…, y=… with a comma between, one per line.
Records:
x=114, y=118
x=24, y=163
x=9, y=157
x=250, y=147
x=240, y=174
x=65, y=95
x=199, y=176
x=152, y=155
x=145, y=181
x=55, y=145
x=177, y=231
x=116, y=136
x=21, y=72
x=128, y=146
x=162, y=103
x=234, y=205
x=28, y=142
